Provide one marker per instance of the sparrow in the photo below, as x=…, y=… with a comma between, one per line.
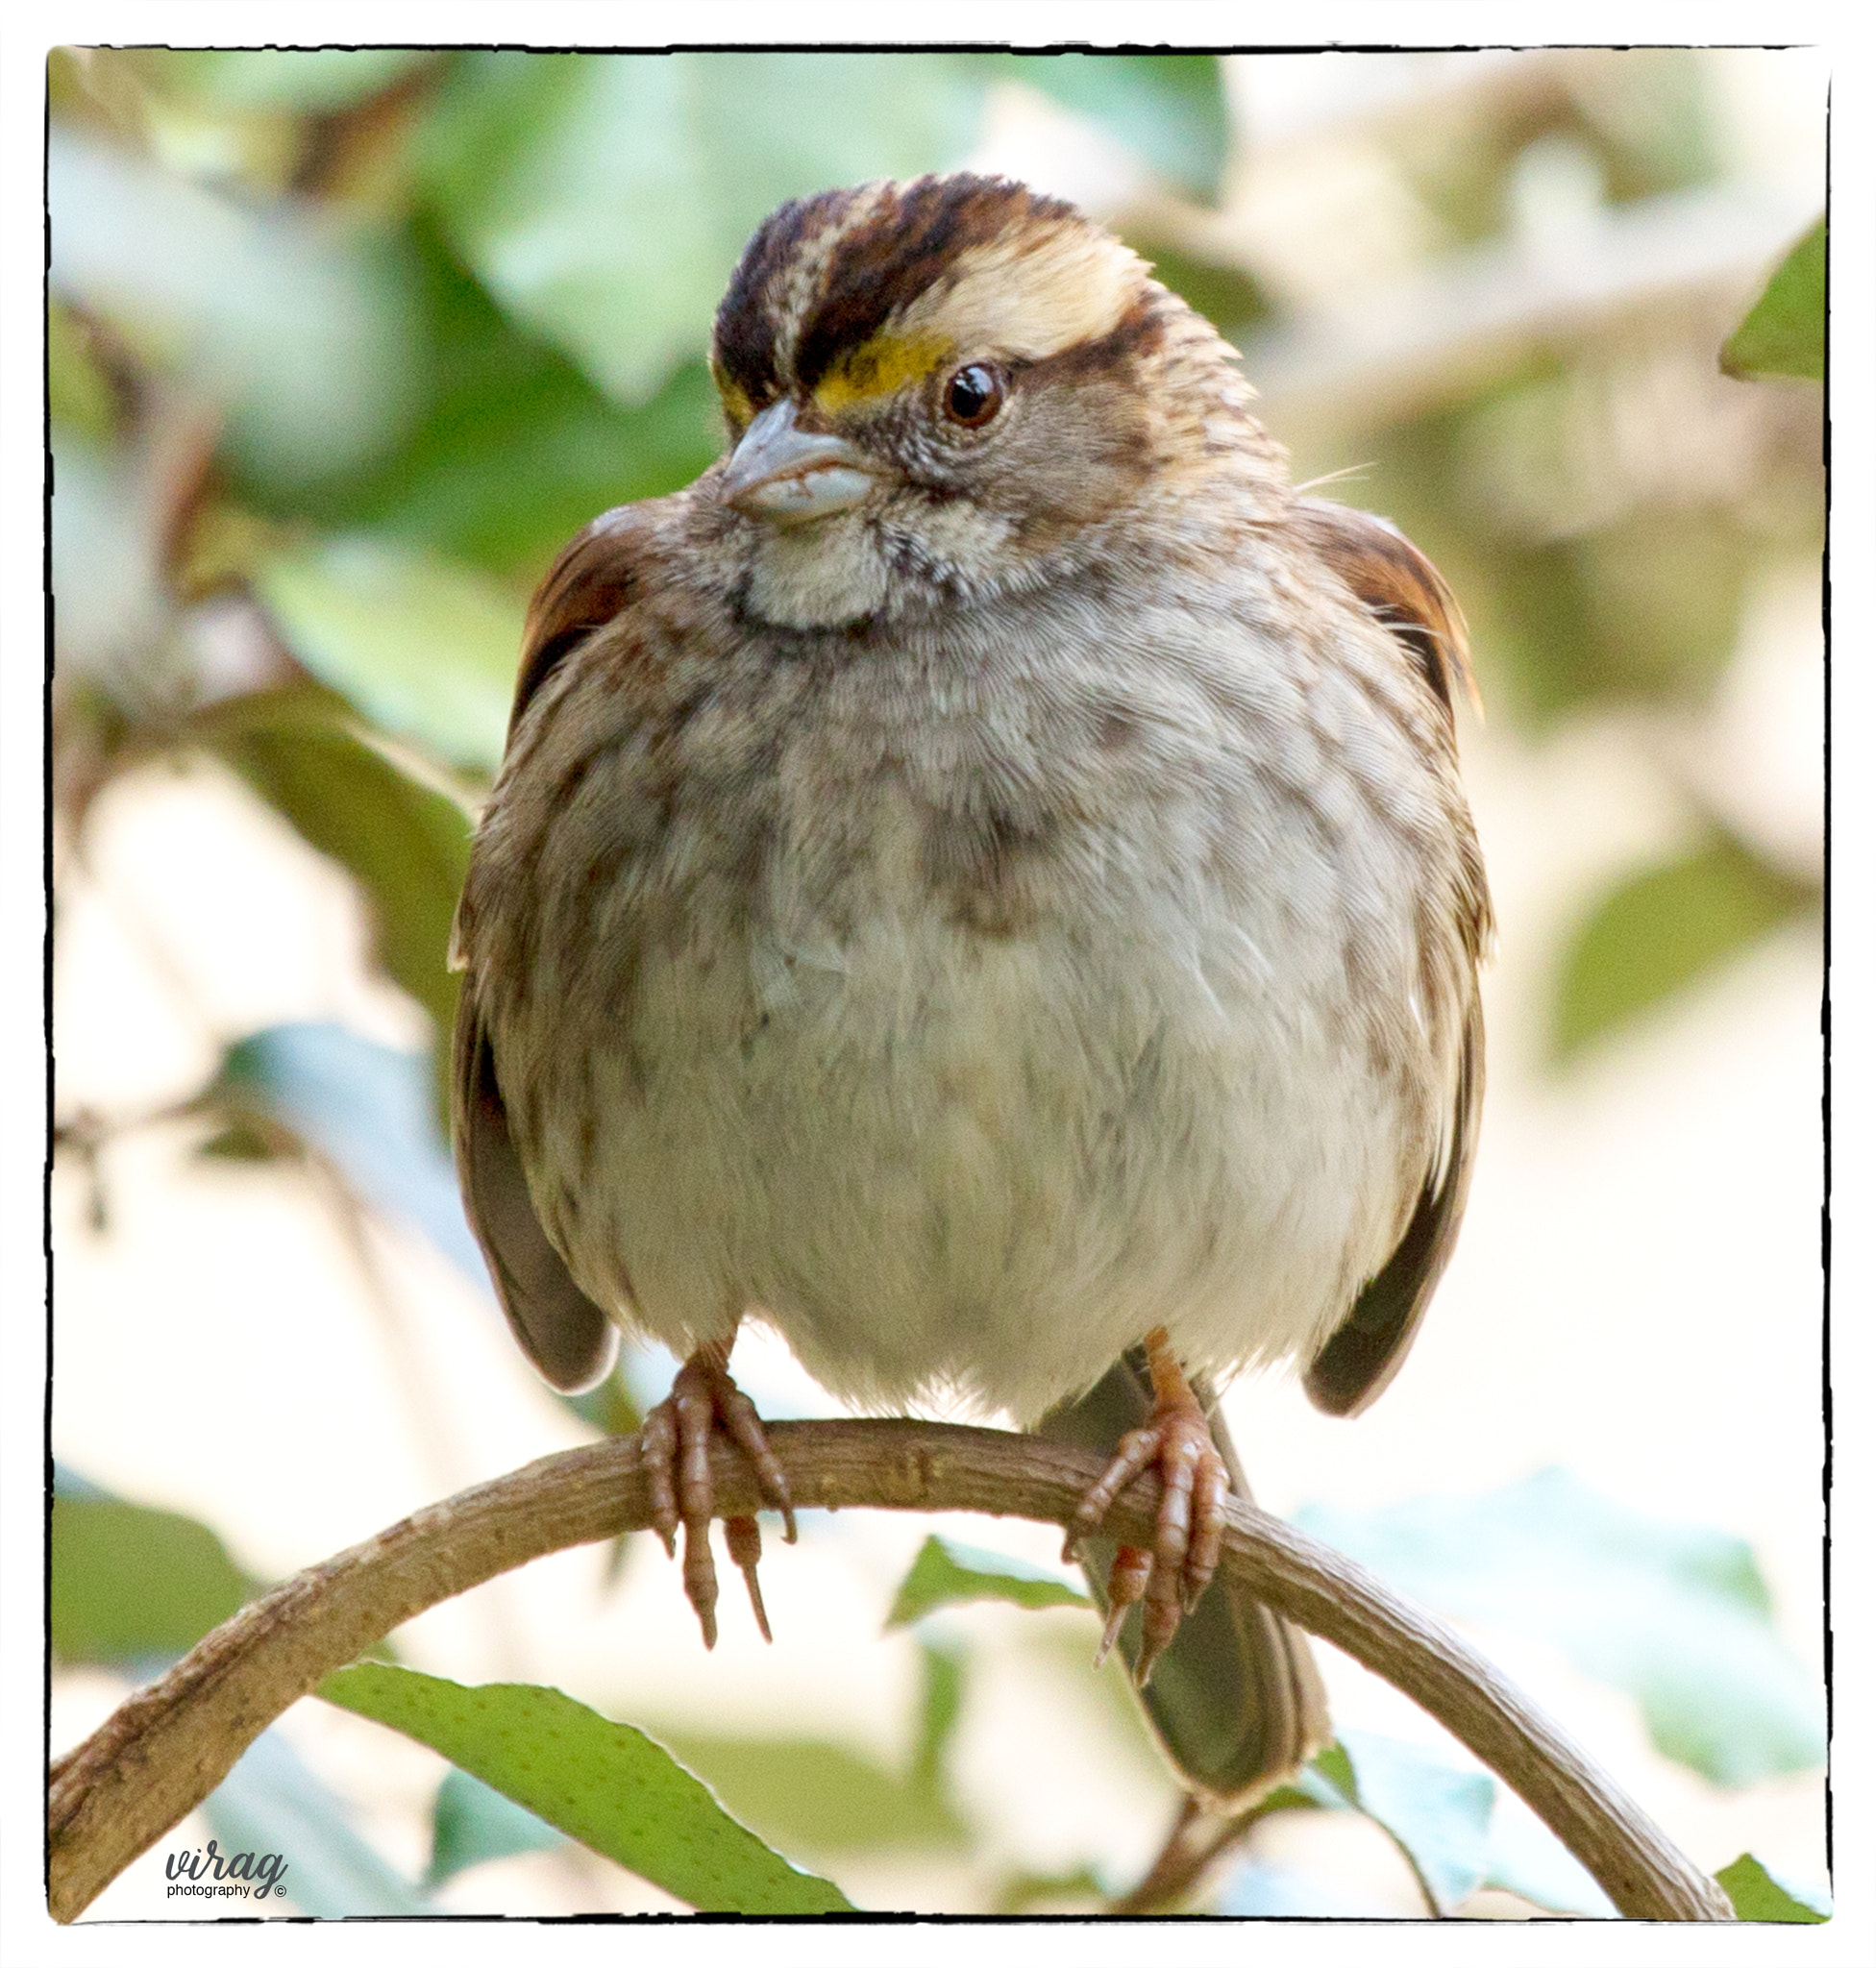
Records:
x=979, y=882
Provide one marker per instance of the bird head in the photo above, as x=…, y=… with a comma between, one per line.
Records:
x=935, y=388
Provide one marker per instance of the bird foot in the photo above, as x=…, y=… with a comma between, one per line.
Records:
x=674, y=1444
x=1189, y=1532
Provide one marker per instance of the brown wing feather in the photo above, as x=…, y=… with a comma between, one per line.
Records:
x=596, y=578
x=1364, y=1351
x=1396, y=582
x=567, y=1336
x=1400, y=586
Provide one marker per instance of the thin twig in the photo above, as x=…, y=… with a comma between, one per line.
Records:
x=169, y=1745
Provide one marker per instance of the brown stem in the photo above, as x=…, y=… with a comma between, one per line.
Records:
x=169, y=1746
x=1197, y=1838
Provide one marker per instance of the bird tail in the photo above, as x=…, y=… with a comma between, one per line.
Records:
x=1235, y=1699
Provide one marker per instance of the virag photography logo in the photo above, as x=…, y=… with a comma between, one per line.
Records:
x=213, y=1874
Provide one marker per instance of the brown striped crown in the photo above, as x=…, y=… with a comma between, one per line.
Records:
x=852, y=291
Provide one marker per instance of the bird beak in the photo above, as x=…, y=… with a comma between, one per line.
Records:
x=779, y=473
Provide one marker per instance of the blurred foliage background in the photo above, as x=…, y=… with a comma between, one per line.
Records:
x=343, y=345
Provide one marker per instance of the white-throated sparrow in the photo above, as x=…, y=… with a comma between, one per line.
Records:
x=981, y=882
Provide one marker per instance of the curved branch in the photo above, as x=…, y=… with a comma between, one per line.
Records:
x=169, y=1746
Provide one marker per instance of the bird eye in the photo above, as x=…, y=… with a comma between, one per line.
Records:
x=974, y=396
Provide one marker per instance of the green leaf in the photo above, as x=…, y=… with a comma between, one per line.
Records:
x=113, y=618
x=1677, y=1614
x=471, y=1825
x=1572, y=609
x=317, y=81
x=512, y=448
x=948, y=1574
x=1758, y=1893
x=942, y=1704
x=1169, y=110
x=78, y=393
x=1658, y=932
x=131, y=1584
x=1328, y=1778
x=1433, y=1809
x=405, y=843
x=1253, y=1890
x=1020, y=1892
x=816, y=1796
x=272, y=1805
x=300, y=331
x=1455, y=1827
x=1438, y=1814
x=1326, y=1782
x=605, y=199
x=367, y=1109
x=238, y=1141
x=1782, y=332
x=424, y=649
x=603, y=1783
x=1662, y=594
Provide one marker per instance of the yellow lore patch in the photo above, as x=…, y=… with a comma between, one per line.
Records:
x=881, y=367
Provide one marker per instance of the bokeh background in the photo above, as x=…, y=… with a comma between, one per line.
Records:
x=342, y=346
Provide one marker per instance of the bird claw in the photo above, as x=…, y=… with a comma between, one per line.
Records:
x=743, y=1537
x=1188, y=1535
x=1126, y=1581
x=674, y=1444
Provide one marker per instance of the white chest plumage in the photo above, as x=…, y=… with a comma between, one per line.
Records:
x=945, y=1152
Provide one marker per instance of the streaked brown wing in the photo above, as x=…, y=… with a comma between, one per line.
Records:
x=1397, y=584
x=1400, y=586
x=595, y=580
x=567, y=1336
x=1364, y=1351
